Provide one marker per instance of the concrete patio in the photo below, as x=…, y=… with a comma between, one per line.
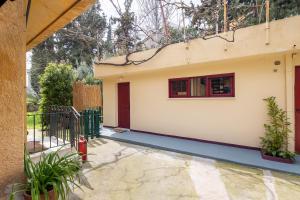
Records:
x=125, y=171
x=236, y=155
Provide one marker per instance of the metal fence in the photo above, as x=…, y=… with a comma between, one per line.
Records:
x=91, y=121
x=61, y=126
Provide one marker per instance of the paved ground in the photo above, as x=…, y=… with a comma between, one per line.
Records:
x=226, y=153
x=123, y=171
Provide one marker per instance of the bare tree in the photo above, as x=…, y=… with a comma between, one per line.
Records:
x=155, y=19
x=125, y=33
x=150, y=22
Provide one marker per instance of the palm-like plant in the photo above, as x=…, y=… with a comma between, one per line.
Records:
x=275, y=141
x=52, y=172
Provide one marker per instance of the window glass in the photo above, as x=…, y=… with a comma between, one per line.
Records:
x=198, y=87
x=221, y=86
x=179, y=87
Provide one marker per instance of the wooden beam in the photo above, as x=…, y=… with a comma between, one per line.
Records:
x=58, y=22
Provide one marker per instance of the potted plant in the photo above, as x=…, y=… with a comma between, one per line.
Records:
x=274, y=145
x=50, y=178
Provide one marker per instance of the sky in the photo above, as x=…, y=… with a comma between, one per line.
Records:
x=110, y=11
x=28, y=66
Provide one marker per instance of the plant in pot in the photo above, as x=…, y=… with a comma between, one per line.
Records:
x=274, y=144
x=50, y=178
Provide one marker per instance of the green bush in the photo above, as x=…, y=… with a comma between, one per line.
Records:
x=90, y=80
x=34, y=118
x=275, y=141
x=32, y=103
x=56, y=86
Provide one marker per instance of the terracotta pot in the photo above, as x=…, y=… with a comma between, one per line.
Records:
x=277, y=159
x=51, y=195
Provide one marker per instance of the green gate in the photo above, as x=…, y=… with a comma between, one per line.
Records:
x=92, y=119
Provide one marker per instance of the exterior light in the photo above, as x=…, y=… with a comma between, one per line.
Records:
x=277, y=62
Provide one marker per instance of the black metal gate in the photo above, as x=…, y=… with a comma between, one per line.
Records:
x=62, y=125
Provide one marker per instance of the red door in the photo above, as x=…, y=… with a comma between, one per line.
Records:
x=123, y=105
x=297, y=109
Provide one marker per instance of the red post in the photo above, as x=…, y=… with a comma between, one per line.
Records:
x=82, y=148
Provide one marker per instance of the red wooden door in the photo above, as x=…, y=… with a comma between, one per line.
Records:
x=297, y=109
x=123, y=105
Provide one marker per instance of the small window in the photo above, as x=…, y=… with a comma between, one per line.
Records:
x=179, y=88
x=203, y=86
x=221, y=86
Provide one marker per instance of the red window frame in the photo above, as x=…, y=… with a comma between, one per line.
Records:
x=208, y=91
x=231, y=76
x=188, y=85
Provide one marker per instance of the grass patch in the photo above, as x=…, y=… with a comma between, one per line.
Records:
x=34, y=117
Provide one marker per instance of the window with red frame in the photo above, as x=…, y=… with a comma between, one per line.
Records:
x=179, y=87
x=221, y=85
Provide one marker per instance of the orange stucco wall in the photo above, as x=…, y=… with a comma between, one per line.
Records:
x=12, y=92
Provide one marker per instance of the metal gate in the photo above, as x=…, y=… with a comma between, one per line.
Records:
x=62, y=125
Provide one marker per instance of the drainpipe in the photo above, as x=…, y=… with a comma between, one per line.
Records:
x=267, y=22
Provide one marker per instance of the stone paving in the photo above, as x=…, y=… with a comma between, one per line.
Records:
x=123, y=171
x=242, y=156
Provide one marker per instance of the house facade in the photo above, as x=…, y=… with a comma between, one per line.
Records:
x=210, y=90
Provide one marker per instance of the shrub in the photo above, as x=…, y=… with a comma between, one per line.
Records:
x=56, y=86
x=52, y=172
x=90, y=80
x=32, y=103
x=275, y=141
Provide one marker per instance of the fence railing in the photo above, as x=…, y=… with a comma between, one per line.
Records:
x=91, y=121
x=61, y=126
